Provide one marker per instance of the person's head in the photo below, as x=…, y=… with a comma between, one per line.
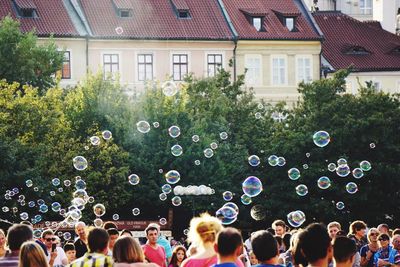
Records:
x=396, y=242
x=396, y=232
x=229, y=242
x=383, y=228
x=48, y=238
x=344, y=250
x=264, y=245
x=253, y=259
x=204, y=229
x=383, y=240
x=80, y=230
x=280, y=227
x=315, y=243
x=2, y=238
x=126, y=232
x=372, y=235
x=32, y=255
x=333, y=229
x=98, y=240
x=17, y=235
x=357, y=228
x=126, y=249
x=113, y=236
x=178, y=255
x=152, y=232
x=69, y=249
x=109, y=225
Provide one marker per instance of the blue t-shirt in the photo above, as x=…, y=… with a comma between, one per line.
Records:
x=363, y=253
x=226, y=264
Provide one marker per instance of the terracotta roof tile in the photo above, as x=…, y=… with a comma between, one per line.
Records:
x=343, y=33
x=180, y=4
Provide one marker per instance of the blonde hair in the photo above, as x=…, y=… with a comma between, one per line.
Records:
x=127, y=249
x=32, y=255
x=204, y=229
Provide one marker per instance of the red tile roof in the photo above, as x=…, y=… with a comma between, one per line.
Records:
x=343, y=33
x=52, y=17
x=240, y=12
x=156, y=19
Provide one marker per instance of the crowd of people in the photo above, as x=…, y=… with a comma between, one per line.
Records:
x=209, y=244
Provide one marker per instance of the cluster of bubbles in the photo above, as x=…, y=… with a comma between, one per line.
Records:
x=228, y=213
x=296, y=218
x=274, y=160
x=193, y=190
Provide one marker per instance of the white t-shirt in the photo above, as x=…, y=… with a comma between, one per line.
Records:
x=58, y=262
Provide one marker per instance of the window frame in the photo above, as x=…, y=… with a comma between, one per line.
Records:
x=69, y=66
x=254, y=24
x=179, y=64
x=364, y=8
x=145, y=63
x=293, y=19
x=311, y=69
x=285, y=70
x=258, y=81
x=215, y=64
x=111, y=53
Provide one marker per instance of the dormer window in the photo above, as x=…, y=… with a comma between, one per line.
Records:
x=289, y=23
x=257, y=23
x=125, y=13
x=357, y=50
x=183, y=14
x=396, y=50
x=27, y=13
x=25, y=9
x=181, y=9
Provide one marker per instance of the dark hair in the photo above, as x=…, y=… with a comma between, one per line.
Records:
x=314, y=242
x=344, y=248
x=174, y=258
x=383, y=236
x=286, y=240
x=69, y=246
x=271, y=231
x=97, y=240
x=396, y=232
x=47, y=232
x=341, y=233
x=108, y=225
x=264, y=245
x=356, y=226
x=228, y=240
x=298, y=256
x=17, y=235
x=278, y=223
x=112, y=231
x=150, y=228
x=126, y=231
x=384, y=225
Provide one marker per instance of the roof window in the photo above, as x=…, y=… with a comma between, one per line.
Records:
x=357, y=50
x=181, y=9
x=125, y=13
x=289, y=23
x=257, y=23
x=25, y=8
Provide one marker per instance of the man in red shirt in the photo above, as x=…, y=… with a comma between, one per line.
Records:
x=153, y=252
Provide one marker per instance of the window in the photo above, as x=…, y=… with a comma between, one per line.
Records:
x=27, y=13
x=257, y=23
x=377, y=85
x=253, y=66
x=179, y=66
x=214, y=63
x=110, y=64
x=183, y=14
x=279, y=71
x=66, y=66
x=145, y=67
x=304, y=72
x=349, y=87
x=366, y=7
x=289, y=22
x=398, y=86
x=125, y=13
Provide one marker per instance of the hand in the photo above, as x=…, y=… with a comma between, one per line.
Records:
x=381, y=263
x=369, y=254
x=53, y=255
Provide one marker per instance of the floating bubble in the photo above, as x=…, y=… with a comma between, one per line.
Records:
x=208, y=153
x=260, y=106
x=174, y=131
x=258, y=213
x=227, y=195
x=357, y=173
x=21, y=197
x=29, y=183
x=340, y=205
x=52, y=193
x=91, y=199
x=119, y=30
x=80, y=184
x=254, y=160
x=258, y=115
x=79, y=203
x=163, y=221
x=197, y=162
x=172, y=177
x=214, y=145
x=160, y=170
x=281, y=161
x=24, y=216
x=36, y=189
x=133, y=179
x=37, y=233
x=43, y=208
x=98, y=222
x=305, y=166
x=343, y=170
x=245, y=199
x=143, y=126
x=107, y=135
x=273, y=160
x=15, y=190
x=176, y=201
x=156, y=124
x=186, y=231
x=195, y=138
x=31, y=204
x=95, y=140
x=40, y=202
x=226, y=213
x=163, y=196
x=166, y=188
x=321, y=138
x=115, y=217
x=365, y=165
x=331, y=167
x=5, y=209
x=301, y=190
x=233, y=206
x=176, y=150
x=341, y=161
x=324, y=182
x=67, y=183
x=252, y=186
x=169, y=88
x=351, y=188
x=296, y=218
x=136, y=211
x=55, y=206
x=223, y=135
x=372, y=145
x=67, y=236
x=294, y=174
x=86, y=147
x=308, y=154
x=80, y=193
x=80, y=163
x=99, y=210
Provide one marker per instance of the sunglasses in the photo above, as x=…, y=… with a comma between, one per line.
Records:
x=383, y=239
x=50, y=239
x=374, y=234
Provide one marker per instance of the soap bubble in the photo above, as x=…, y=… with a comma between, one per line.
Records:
x=40, y=202
x=195, y=138
x=86, y=147
x=331, y=167
x=169, y=88
x=358, y=173
x=176, y=150
x=166, y=188
x=296, y=218
x=208, y=153
x=37, y=233
x=281, y=161
x=119, y=30
x=95, y=140
x=176, y=201
x=341, y=161
x=135, y=211
x=214, y=145
x=351, y=188
x=163, y=196
x=343, y=170
x=55, y=181
x=163, y=221
x=227, y=195
x=80, y=163
x=254, y=160
x=31, y=204
x=365, y=165
x=99, y=210
x=308, y=154
x=115, y=217
x=245, y=199
x=223, y=135
x=197, y=162
x=67, y=183
x=294, y=174
x=305, y=166
x=133, y=179
x=52, y=193
x=252, y=186
x=80, y=184
x=29, y=183
x=67, y=236
x=24, y=216
x=5, y=209
x=174, y=131
x=226, y=212
x=321, y=138
x=186, y=231
x=340, y=205
x=156, y=124
x=233, y=206
x=372, y=145
x=36, y=189
x=273, y=160
x=55, y=206
x=257, y=115
x=98, y=222
x=324, y=182
x=258, y=213
x=15, y=190
x=107, y=135
x=43, y=208
x=301, y=190
x=172, y=177
x=143, y=126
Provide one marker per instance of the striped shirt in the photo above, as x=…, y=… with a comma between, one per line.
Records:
x=10, y=260
x=93, y=260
